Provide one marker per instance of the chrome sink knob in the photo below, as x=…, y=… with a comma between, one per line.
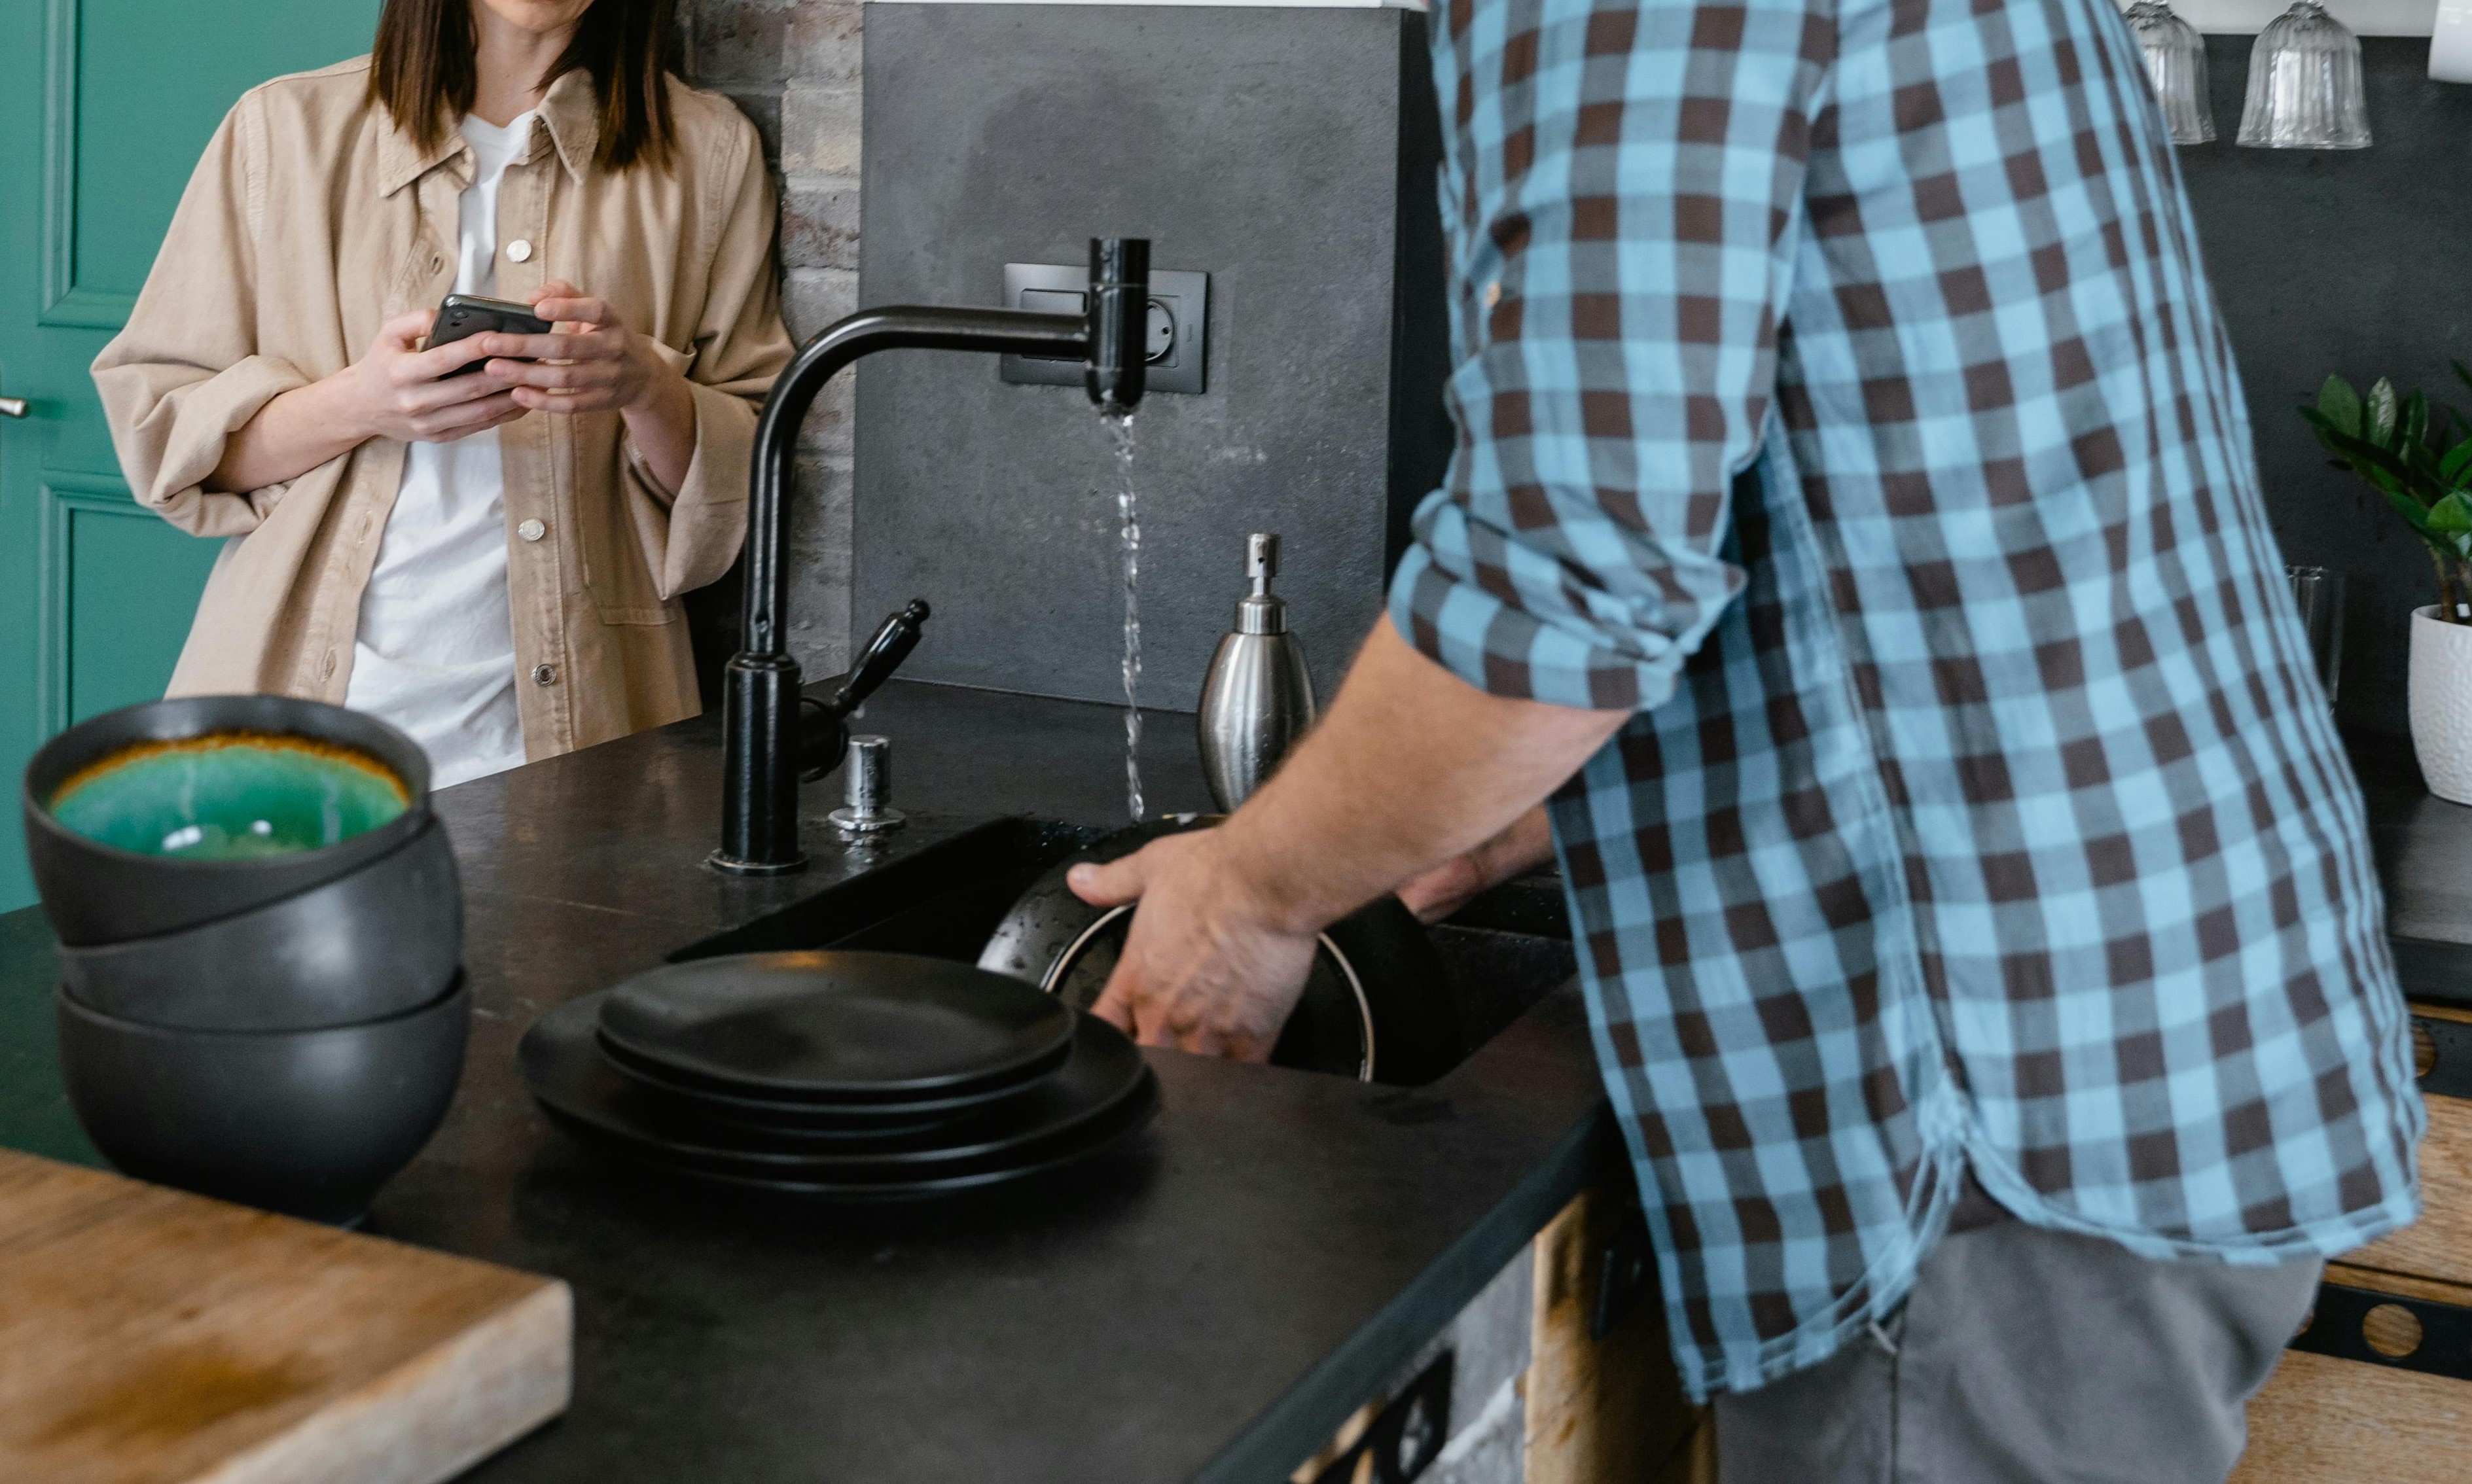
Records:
x=868, y=781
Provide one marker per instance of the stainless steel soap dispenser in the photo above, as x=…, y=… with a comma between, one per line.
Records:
x=1257, y=698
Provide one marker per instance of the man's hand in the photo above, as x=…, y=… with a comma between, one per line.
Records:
x=1218, y=974
x=1447, y=888
x=1411, y=768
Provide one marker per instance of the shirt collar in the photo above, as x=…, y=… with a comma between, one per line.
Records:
x=570, y=110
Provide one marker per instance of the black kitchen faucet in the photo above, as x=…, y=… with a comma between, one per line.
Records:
x=771, y=736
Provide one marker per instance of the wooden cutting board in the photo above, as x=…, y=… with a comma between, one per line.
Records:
x=148, y=1337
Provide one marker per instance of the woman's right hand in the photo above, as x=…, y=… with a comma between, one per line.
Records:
x=395, y=391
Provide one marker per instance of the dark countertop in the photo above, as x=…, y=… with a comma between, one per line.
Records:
x=1209, y=1305
x=2424, y=850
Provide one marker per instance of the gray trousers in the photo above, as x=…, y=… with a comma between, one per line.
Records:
x=2027, y=1357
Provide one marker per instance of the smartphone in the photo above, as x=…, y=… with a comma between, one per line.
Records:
x=462, y=316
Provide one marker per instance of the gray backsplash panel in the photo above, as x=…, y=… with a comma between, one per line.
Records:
x=2353, y=262
x=1267, y=148
x=1263, y=147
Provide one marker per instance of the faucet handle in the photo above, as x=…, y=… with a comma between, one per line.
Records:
x=891, y=643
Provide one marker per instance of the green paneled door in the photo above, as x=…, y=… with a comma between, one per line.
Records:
x=103, y=105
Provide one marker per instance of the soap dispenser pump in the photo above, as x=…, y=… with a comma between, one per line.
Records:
x=1257, y=698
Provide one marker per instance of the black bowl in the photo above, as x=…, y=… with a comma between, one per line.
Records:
x=306, y=1122
x=96, y=893
x=380, y=941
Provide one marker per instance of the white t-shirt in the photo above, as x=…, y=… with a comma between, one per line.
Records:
x=436, y=652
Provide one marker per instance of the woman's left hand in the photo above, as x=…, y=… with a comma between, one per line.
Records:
x=589, y=363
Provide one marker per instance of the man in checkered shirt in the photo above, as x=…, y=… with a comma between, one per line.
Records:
x=1854, y=530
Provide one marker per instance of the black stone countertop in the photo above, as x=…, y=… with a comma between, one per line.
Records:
x=1208, y=1303
x=2424, y=850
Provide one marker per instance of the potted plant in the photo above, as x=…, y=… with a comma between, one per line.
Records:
x=2417, y=455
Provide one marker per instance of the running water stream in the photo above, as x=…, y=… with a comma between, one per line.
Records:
x=1120, y=428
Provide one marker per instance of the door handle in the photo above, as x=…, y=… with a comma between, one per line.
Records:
x=13, y=406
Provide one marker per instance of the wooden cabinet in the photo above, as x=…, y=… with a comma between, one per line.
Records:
x=2382, y=1410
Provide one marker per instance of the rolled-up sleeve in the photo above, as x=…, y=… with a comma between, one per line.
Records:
x=692, y=534
x=1620, y=185
x=184, y=374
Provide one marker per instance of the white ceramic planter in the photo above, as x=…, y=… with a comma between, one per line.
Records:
x=2441, y=703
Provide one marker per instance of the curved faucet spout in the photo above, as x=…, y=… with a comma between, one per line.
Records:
x=1003, y=331
x=759, y=829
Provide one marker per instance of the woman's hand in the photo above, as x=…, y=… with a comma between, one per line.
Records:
x=1526, y=845
x=591, y=362
x=392, y=392
x=398, y=390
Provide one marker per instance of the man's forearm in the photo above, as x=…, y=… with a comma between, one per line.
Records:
x=1410, y=766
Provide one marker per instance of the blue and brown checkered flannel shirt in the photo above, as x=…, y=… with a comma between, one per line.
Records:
x=1838, y=387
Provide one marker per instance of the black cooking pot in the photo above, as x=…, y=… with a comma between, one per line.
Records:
x=96, y=893
x=1376, y=1005
x=375, y=943
x=307, y=1122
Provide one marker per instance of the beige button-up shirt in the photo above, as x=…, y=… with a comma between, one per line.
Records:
x=311, y=220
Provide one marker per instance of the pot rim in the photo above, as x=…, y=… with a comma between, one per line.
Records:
x=52, y=765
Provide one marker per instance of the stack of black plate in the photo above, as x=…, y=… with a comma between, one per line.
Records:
x=848, y=1075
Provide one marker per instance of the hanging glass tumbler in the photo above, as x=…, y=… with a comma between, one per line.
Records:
x=2304, y=84
x=2176, y=61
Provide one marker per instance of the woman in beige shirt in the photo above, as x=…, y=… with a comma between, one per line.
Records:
x=491, y=559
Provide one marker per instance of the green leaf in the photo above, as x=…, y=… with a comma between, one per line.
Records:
x=2412, y=514
x=2458, y=459
x=2339, y=404
x=2379, y=466
x=2378, y=415
x=2415, y=422
x=2451, y=516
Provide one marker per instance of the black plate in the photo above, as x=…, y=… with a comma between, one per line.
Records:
x=837, y=1026
x=1098, y=1136
x=792, y=1117
x=578, y=1088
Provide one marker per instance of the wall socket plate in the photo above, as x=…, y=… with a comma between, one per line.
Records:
x=1180, y=323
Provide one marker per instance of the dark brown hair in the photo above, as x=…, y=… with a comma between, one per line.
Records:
x=425, y=74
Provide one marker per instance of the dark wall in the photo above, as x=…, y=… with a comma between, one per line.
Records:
x=2352, y=262
x=1264, y=147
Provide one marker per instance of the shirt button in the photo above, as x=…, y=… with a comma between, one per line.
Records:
x=532, y=531
x=519, y=251
x=544, y=675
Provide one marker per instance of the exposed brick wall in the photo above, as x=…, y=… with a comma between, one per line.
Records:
x=792, y=65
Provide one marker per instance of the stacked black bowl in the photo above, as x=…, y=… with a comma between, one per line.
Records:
x=260, y=990
x=847, y=1077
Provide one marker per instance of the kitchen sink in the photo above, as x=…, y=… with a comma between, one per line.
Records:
x=1498, y=955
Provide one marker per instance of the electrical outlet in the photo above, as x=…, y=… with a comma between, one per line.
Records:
x=1176, y=334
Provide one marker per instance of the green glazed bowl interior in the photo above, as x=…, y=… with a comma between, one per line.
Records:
x=234, y=795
